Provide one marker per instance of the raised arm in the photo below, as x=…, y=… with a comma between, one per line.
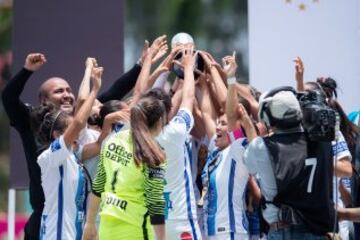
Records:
x=246, y=123
x=299, y=74
x=230, y=67
x=84, y=89
x=16, y=110
x=161, y=73
x=188, y=90
x=207, y=109
x=219, y=86
x=80, y=119
x=142, y=83
x=244, y=91
x=128, y=80
x=175, y=102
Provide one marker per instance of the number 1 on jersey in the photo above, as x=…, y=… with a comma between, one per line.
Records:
x=311, y=162
x=114, y=180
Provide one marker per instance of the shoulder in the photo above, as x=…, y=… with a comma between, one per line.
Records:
x=184, y=118
x=340, y=147
x=178, y=128
x=57, y=152
x=257, y=143
x=256, y=149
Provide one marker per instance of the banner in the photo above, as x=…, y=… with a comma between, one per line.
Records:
x=324, y=33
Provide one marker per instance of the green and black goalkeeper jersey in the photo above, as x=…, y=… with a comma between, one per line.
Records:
x=128, y=192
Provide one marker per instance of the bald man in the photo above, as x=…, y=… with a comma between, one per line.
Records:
x=57, y=91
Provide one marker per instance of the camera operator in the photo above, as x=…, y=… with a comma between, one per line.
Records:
x=295, y=173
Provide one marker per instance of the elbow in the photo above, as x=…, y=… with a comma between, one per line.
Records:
x=6, y=96
x=343, y=168
x=222, y=103
x=8, y=100
x=348, y=172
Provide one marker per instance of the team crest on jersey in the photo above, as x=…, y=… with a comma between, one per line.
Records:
x=55, y=145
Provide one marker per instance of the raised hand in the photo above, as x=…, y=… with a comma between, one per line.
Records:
x=299, y=69
x=162, y=51
x=97, y=77
x=189, y=57
x=229, y=65
x=244, y=117
x=159, y=45
x=34, y=61
x=90, y=62
x=206, y=58
x=144, y=51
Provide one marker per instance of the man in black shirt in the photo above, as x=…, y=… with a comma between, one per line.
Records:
x=57, y=91
x=295, y=174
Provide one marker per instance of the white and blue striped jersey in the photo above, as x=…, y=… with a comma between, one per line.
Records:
x=225, y=176
x=64, y=186
x=179, y=191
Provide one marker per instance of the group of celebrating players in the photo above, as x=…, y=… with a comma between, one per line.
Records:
x=178, y=162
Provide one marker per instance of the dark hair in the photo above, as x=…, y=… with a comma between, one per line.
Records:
x=108, y=107
x=160, y=94
x=46, y=119
x=144, y=116
x=329, y=86
x=247, y=107
x=315, y=86
x=255, y=93
x=347, y=128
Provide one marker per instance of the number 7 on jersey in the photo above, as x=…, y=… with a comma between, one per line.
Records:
x=311, y=162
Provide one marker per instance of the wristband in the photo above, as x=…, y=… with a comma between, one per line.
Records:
x=231, y=80
x=234, y=135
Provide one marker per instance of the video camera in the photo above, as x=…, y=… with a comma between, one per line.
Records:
x=319, y=120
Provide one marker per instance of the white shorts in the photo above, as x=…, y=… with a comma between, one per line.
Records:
x=182, y=230
x=229, y=236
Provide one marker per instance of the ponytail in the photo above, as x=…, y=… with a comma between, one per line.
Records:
x=145, y=115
